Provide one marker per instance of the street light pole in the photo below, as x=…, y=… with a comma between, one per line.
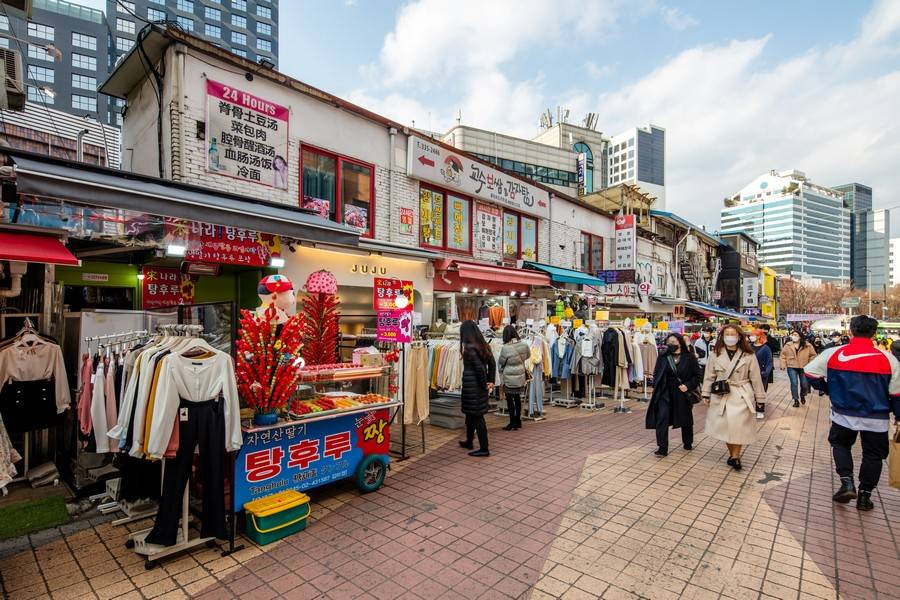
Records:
x=869, y=288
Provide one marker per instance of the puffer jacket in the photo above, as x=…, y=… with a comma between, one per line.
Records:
x=476, y=375
x=512, y=365
x=790, y=357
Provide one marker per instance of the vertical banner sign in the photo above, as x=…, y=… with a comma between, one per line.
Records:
x=580, y=170
x=393, y=320
x=394, y=326
x=407, y=216
x=750, y=295
x=625, y=241
x=488, y=220
x=163, y=286
x=246, y=136
x=301, y=456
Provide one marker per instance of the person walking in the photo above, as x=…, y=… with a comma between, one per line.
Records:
x=835, y=341
x=703, y=345
x=795, y=355
x=675, y=380
x=513, y=374
x=766, y=361
x=732, y=386
x=863, y=382
x=479, y=372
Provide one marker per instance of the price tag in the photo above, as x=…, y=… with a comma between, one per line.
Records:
x=566, y=323
x=587, y=347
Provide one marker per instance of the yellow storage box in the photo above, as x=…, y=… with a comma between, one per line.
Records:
x=271, y=518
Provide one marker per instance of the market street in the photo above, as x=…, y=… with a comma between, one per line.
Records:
x=574, y=507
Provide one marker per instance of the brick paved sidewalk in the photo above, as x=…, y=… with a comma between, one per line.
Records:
x=567, y=508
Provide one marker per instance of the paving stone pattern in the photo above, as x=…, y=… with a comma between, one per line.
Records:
x=573, y=507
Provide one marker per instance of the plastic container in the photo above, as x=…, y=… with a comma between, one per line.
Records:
x=273, y=517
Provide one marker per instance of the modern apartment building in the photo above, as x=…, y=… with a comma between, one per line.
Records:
x=804, y=228
x=638, y=156
x=64, y=50
x=563, y=156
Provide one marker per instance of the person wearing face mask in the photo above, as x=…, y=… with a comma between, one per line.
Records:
x=732, y=387
x=675, y=381
x=703, y=345
x=766, y=364
x=795, y=355
x=835, y=341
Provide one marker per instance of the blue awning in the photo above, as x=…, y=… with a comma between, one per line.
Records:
x=716, y=310
x=560, y=275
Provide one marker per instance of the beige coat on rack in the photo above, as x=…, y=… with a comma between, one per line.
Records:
x=732, y=418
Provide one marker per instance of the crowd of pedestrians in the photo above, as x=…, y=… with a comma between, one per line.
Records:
x=730, y=371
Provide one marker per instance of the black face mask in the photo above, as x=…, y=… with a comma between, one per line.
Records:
x=672, y=348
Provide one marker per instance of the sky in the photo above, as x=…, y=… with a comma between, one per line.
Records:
x=740, y=87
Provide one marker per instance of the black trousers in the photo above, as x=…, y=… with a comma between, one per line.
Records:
x=514, y=407
x=874, y=452
x=475, y=425
x=662, y=428
x=204, y=427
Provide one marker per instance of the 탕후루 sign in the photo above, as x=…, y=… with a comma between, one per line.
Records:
x=300, y=456
x=165, y=286
x=435, y=163
x=205, y=242
x=626, y=241
x=393, y=326
x=386, y=289
x=246, y=136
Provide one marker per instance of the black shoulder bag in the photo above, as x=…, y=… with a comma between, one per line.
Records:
x=720, y=387
x=694, y=394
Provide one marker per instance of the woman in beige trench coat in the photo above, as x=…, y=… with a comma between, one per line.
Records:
x=732, y=417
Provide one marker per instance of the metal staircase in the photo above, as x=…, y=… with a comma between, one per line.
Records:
x=691, y=278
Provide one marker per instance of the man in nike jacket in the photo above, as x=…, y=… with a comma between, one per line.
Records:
x=863, y=382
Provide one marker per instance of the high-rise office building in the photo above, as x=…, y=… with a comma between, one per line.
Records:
x=857, y=199
x=638, y=156
x=64, y=54
x=249, y=28
x=804, y=227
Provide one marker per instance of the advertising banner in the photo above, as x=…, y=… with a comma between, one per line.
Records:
x=226, y=245
x=487, y=224
x=246, y=136
x=580, y=171
x=435, y=163
x=301, y=456
x=800, y=317
x=164, y=286
x=617, y=276
x=626, y=242
x=386, y=289
x=393, y=326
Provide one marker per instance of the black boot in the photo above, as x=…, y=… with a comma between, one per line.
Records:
x=847, y=491
x=735, y=463
x=509, y=427
x=864, y=500
x=480, y=453
x=796, y=404
x=467, y=445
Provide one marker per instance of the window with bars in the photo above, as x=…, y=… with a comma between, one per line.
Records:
x=45, y=32
x=80, y=102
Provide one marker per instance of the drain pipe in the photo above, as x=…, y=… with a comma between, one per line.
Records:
x=16, y=270
x=392, y=131
x=79, y=144
x=179, y=95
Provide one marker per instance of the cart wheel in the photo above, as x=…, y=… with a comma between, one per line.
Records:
x=129, y=543
x=370, y=473
x=150, y=565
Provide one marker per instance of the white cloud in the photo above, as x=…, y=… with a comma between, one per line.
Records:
x=596, y=71
x=676, y=19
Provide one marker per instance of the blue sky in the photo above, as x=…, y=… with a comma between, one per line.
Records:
x=741, y=87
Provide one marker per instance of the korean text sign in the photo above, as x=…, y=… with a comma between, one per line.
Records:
x=164, y=286
x=227, y=245
x=626, y=242
x=386, y=289
x=300, y=456
x=487, y=223
x=394, y=326
x=246, y=136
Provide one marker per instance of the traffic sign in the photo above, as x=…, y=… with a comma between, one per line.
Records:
x=852, y=302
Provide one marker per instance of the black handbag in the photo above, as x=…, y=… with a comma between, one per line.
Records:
x=694, y=394
x=720, y=387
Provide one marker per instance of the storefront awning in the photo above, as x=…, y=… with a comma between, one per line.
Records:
x=560, y=275
x=454, y=275
x=715, y=310
x=669, y=301
x=27, y=247
x=108, y=188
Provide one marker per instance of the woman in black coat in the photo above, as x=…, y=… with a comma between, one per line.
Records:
x=673, y=390
x=479, y=372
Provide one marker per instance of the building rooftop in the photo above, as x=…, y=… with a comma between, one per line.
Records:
x=68, y=9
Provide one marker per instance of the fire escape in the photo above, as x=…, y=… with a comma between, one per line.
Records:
x=691, y=276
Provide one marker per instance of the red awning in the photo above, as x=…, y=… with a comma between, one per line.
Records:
x=459, y=274
x=27, y=247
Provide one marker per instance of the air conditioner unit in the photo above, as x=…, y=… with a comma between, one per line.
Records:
x=13, y=97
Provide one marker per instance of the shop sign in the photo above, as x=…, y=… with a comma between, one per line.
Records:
x=676, y=326
x=645, y=287
x=393, y=326
x=800, y=317
x=246, y=136
x=365, y=269
x=386, y=289
x=430, y=162
x=97, y=277
x=407, y=216
x=626, y=241
x=580, y=170
x=850, y=302
x=617, y=276
x=750, y=292
x=302, y=456
x=164, y=286
x=752, y=312
x=487, y=223
x=226, y=245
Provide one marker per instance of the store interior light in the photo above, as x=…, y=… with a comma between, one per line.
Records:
x=276, y=262
x=523, y=294
x=140, y=276
x=176, y=250
x=513, y=294
x=465, y=290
